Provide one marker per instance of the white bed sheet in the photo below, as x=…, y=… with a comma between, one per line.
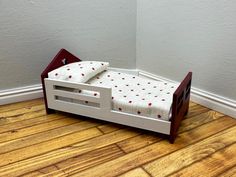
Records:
x=136, y=95
x=130, y=93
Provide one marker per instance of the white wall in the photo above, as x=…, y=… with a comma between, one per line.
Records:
x=33, y=31
x=173, y=37
x=177, y=36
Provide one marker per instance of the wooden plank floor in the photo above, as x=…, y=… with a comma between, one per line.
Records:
x=35, y=144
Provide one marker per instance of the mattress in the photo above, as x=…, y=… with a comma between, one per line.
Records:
x=136, y=95
x=130, y=93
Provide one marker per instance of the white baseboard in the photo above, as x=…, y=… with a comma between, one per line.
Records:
x=20, y=94
x=210, y=100
x=207, y=99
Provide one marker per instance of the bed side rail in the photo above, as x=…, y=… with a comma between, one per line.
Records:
x=180, y=106
x=54, y=90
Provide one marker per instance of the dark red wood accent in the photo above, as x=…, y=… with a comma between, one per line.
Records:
x=63, y=57
x=181, y=96
x=180, y=106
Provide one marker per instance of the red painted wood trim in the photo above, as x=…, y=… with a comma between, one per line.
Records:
x=179, y=108
x=180, y=105
x=54, y=64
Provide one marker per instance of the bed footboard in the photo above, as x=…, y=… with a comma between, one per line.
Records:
x=180, y=106
x=63, y=57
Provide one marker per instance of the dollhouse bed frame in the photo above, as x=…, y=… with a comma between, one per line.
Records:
x=51, y=92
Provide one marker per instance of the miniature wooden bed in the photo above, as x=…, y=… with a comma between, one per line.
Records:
x=180, y=103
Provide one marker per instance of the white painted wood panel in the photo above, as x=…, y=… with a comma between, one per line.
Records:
x=104, y=112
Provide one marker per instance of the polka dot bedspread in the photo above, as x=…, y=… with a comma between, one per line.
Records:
x=136, y=95
x=130, y=93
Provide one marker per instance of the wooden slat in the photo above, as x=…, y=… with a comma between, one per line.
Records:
x=91, y=159
x=40, y=173
x=25, y=116
x=81, y=162
x=37, y=162
x=191, y=154
x=30, y=122
x=36, y=149
x=138, y=142
x=198, y=120
x=195, y=110
x=47, y=135
x=137, y=172
x=17, y=112
x=19, y=133
x=213, y=165
x=20, y=105
x=154, y=151
x=231, y=172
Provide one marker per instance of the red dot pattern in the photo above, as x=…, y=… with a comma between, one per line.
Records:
x=132, y=90
x=76, y=72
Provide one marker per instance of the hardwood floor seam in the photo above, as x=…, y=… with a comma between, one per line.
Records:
x=204, y=123
x=120, y=148
x=146, y=171
x=200, y=159
x=19, y=108
x=58, y=148
x=213, y=165
x=99, y=130
x=33, y=125
x=86, y=153
x=181, y=148
x=21, y=114
x=39, y=132
x=226, y=170
x=164, y=140
x=53, y=139
x=190, y=144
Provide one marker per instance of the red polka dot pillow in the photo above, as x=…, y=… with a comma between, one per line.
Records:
x=78, y=71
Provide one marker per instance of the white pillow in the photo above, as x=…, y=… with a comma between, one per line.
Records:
x=79, y=71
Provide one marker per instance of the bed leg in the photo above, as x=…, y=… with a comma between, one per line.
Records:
x=49, y=111
x=186, y=113
x=172, y=139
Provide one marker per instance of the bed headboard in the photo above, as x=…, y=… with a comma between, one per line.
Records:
x=63, y=57
x=180, y=106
